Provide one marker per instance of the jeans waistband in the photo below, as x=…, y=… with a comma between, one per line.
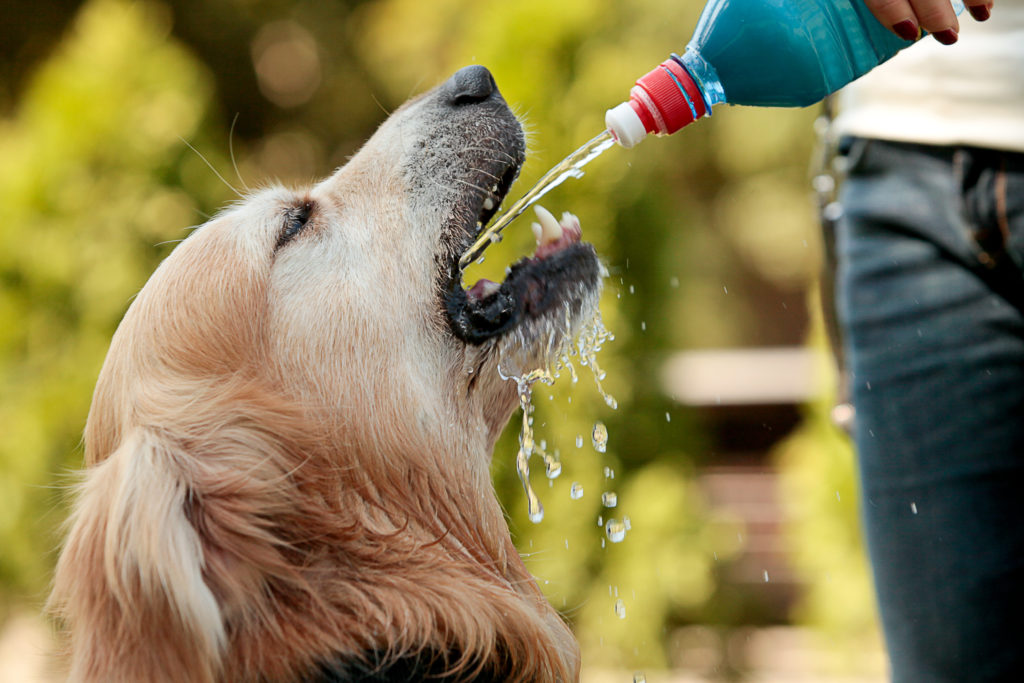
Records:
x=1008, y=160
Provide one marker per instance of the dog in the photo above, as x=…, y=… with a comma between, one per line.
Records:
x=288, y=448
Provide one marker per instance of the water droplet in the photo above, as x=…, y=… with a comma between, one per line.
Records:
x=620, y=609
x=625, y=523
x=837, y=496
x=913, y=508
x=579, y=441
x=609, y=499
x=609, y=473
x=600, y=520
x=615, y=530
x=632, y=289
x=536, y=514
x=639, y=677
x=725, y=289
x=553, y=468
x=576, y=490
x=643, y=325
x=668, y=418
x=600, y=437
x=766, y=576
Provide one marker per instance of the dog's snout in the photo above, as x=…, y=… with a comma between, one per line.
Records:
x=470, y=85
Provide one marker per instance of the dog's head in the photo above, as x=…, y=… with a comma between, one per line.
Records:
x=288, y=443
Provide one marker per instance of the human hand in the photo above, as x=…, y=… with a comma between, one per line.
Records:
x=907, y=18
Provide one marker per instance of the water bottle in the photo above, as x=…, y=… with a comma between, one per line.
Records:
x=772, y=53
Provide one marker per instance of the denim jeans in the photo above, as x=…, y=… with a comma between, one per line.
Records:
x=930, y=299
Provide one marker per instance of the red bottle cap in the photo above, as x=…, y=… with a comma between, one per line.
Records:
x=670, y=98
x=662, y=101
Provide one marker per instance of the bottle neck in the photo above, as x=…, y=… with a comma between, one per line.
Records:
x=704, y=75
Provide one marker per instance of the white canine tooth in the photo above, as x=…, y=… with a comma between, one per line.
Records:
x=552, y=231
x=488, y=203
x=538, y=231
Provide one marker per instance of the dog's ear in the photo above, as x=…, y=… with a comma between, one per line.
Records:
x=131, y=577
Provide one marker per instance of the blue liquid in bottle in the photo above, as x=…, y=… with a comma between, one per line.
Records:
x=774, y=53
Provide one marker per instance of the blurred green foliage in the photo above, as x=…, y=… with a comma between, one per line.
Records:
x=709, y=238
x=93, y=173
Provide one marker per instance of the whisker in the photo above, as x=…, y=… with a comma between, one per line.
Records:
x=466, y=182
x=211, y=167
x=378, y=102
x=231, y=152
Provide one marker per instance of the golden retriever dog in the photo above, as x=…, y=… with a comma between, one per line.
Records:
x=289, y=443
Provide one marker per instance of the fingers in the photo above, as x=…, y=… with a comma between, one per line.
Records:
x=898, y=15
x=938, y=18
x=979, y=9
x=907, y=18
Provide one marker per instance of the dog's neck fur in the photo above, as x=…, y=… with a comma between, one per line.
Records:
x=313, y=549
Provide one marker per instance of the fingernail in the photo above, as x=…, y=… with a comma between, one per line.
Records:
x=947, y=37
x=907, y=30
x=979, y=12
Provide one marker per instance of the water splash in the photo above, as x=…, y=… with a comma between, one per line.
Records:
x=584, y=343
x=570, y=167
x=535, y=510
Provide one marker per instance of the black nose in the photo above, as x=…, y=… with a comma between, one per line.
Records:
x=469, y=85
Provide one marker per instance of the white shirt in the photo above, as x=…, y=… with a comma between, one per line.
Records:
x=968, y=93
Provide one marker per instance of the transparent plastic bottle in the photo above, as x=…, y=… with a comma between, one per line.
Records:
x=772, y=53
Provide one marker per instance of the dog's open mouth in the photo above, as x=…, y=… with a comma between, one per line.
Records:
x=557, y=282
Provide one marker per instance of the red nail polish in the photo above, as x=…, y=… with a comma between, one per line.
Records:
x=947, y=37
x=979, y=12
x=907, y=30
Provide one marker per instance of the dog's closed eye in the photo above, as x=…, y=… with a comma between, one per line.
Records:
x=295, y=219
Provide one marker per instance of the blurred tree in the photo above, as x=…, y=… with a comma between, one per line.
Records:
x=95, y=180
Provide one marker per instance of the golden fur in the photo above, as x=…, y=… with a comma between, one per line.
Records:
x=286, y=459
